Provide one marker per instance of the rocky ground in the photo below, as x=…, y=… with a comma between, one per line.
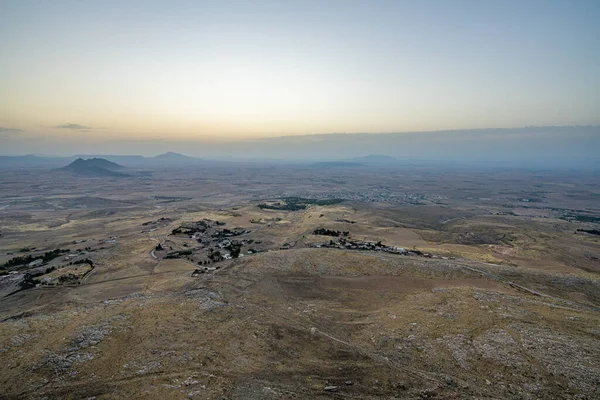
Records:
x=306, y=323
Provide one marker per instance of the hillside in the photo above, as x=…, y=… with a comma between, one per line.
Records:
x=296, y=282
x=308, y=323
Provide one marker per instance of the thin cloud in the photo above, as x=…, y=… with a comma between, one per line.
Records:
x=9, y=131
x=76, y=127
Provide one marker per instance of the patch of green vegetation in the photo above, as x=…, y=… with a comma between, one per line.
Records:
x=223, y=233
x=170, y=199
x=590, y=231
x=51, y=255
x=587, y=218
x=235, y=249
x=178, y=254
x=84, y=261
x=329, y=232
x=29, y=280
x=215, y=256
x=298, y=203
x=580, y=218
x=46, y=257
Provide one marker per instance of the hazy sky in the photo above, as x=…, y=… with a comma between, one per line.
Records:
x=188, y=70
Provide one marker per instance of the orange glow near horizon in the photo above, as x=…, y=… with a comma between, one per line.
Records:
x=242, y=70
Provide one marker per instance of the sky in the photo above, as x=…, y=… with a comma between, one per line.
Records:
x=75, y=74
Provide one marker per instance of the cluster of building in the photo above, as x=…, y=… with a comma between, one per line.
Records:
x=350, y=244
x=376, y=196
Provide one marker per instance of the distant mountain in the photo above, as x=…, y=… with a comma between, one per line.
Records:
x=375, y=159
x=359, y=161
x=174, y=158
x=94, y=167
x=135, y=161
x=567, y=147
x=123, y=160
x=337, y=164
x=171, y=156
x=32, y=161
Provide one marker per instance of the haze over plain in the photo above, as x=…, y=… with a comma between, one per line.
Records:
x=211, y=78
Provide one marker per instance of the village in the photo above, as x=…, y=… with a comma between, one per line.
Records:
x=207, y=242
x=344, y=242
x=382, y=194
x=201, y=243
x=210, y=243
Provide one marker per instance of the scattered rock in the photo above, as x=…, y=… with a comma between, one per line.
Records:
x=150, y=367
x=499, y=346
x=91, y=336
x=209, y=304
x=429, y=393
x=531, y=387
x=331, y=388
x=190, y=381
x=61, y=363
x=21, y=338
x=461, y=352
x=565, y=355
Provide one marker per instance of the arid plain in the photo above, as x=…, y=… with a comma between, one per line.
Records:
x=256, y=281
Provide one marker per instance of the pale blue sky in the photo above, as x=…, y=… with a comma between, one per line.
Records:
x=208, y=70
